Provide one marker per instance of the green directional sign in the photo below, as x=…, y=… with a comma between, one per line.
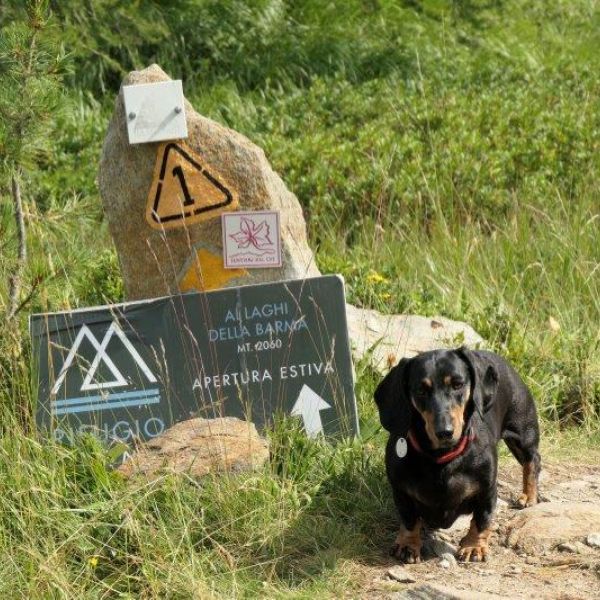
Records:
x=132, y=370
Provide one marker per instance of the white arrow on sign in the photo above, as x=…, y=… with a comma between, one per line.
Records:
x=308, y=406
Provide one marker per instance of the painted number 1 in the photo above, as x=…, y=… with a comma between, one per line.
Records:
x=178, y=172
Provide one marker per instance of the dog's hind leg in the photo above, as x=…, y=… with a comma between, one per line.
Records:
x=531, y=471
x=529, y=459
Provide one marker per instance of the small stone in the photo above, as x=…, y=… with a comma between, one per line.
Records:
x=514, y=570
x=593, y=540
x=501, y=505
x=553, y=324
x=573, y=547
x=447, y=561
x=567, y=547
x=460, y=526
x=437, y=544
x=401, y=574
x=531, y=560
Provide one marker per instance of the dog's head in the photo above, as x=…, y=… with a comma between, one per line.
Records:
x=443, y=387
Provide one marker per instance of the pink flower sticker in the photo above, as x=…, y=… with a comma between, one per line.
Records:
x=251, y=234
x=251, y=239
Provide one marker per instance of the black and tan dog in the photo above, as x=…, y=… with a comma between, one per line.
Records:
x=446, y=411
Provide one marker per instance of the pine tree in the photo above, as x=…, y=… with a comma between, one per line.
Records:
x=31, y=68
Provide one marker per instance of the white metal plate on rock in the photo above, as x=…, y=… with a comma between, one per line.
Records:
x=155, y=112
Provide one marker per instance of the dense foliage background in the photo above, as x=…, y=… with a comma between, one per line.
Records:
x=446, y=154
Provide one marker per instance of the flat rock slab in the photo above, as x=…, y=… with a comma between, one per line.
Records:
x=430, y=591
x=214, y=171
x=388, y=338
x=199, y=447
x=545, y=526
x=401, y=574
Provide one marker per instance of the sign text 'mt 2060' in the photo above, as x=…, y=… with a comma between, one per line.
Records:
x=132, y=370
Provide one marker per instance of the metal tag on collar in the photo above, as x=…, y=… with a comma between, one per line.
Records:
x=401, y=447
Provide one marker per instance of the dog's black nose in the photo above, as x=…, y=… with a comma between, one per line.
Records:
x=444, y=434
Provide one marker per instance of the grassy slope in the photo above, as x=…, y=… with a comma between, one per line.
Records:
x=448, y=162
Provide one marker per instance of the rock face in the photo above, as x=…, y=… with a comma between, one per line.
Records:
x=392, y=337
x=549, y=524
x=187, y=253
x=199, y=447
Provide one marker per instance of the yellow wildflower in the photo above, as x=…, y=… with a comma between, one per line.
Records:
x=375, y=277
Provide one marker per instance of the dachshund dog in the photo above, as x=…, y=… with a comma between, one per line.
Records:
x=446, y=411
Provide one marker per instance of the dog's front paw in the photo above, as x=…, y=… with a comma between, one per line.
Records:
x=468, y=553
x=406, y=554
x=407, y=545
x=474, y=546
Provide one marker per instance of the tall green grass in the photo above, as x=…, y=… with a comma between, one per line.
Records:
x=446, y=156
x=71, y=528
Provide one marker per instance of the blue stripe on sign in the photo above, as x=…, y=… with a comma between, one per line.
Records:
x=104, y=398
x=142, y=401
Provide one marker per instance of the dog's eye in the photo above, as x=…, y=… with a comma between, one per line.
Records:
x=457, y=385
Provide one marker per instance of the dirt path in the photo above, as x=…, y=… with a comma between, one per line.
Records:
x=550, y=574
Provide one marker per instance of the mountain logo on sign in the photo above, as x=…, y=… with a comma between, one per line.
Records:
x=184, y=191
x=101, y=356
x=104, y=400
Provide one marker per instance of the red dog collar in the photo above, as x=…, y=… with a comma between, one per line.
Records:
x=462, y=445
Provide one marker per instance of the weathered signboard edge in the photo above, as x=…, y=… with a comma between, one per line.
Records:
x=119, y=305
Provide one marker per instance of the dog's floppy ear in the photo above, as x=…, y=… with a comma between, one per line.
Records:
x=392, y=399
x=484, y=378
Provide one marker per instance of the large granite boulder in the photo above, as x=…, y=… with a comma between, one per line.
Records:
x=187, y=253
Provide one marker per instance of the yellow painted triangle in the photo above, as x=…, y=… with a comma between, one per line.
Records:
x=185, y=189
